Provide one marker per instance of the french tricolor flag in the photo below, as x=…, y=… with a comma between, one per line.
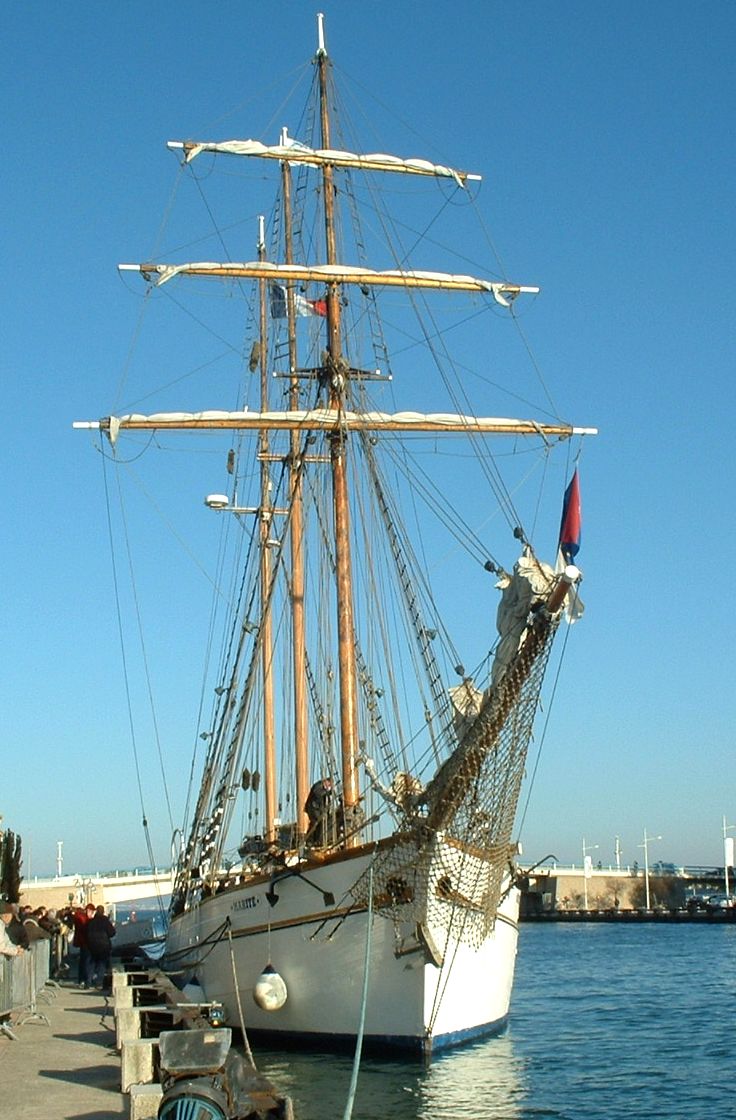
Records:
x=571, y=522
x=302, y=306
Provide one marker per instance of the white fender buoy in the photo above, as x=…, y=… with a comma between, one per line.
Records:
x=270, y=991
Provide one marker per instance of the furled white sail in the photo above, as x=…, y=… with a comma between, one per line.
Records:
x=501, y=291
x=326, y=419
x=301, y=153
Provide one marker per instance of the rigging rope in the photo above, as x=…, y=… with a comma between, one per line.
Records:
x=126, y=678
x=363, y=1003
x=545, y=725
x=144, y=654
x=246, y=1043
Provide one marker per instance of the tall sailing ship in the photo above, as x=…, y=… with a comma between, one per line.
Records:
x=349, y=864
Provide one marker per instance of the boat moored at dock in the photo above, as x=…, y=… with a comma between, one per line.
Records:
x=353, y=834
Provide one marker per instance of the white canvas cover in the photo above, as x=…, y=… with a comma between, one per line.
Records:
x=301, y=153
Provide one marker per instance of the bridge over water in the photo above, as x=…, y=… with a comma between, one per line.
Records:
x=104, y=889
x=556, y=886
x=558, y=881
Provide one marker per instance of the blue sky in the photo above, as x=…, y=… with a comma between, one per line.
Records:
x=605, y=137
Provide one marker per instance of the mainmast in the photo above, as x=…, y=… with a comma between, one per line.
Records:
x=336, y=371
x=266, y=573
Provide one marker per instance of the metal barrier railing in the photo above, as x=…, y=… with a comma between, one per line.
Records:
x=22, y=980
x=6, y=986
x=59, y=953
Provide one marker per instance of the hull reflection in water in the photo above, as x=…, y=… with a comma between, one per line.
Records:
x=483, y=1081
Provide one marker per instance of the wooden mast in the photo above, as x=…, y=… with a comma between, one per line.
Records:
x=337, y=372
x=266, y=575
x=296, y=533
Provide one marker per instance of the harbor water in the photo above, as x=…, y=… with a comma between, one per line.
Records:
x=606, y=1022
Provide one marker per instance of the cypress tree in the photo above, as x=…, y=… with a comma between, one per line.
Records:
x=10, y=865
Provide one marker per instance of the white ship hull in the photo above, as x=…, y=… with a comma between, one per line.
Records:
x=413, y=1003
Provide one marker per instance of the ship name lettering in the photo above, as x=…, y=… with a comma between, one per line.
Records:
x=244, y=904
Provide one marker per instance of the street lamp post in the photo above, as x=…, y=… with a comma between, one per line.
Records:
x=586, y=848
x=727, y=850
x=645, y=846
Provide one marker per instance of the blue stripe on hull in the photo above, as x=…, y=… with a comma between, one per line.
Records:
x=460, y=1038
x=384, y=1046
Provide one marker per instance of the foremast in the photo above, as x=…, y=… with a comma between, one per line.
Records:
x=296, y=531
x=266, y=571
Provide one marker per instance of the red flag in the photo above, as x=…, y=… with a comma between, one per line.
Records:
x=571, y=523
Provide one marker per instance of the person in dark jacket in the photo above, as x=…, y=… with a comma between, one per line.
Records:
x=33, y=927
x=319, y=808
x=100, y=932
x=81, y=919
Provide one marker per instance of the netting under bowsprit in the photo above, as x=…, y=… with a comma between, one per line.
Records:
x=446, y=867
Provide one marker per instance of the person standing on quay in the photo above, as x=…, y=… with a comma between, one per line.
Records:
x=33, y=927
x=81, y=918
x=16, y=931
x=8, y=948
x=100, y=932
